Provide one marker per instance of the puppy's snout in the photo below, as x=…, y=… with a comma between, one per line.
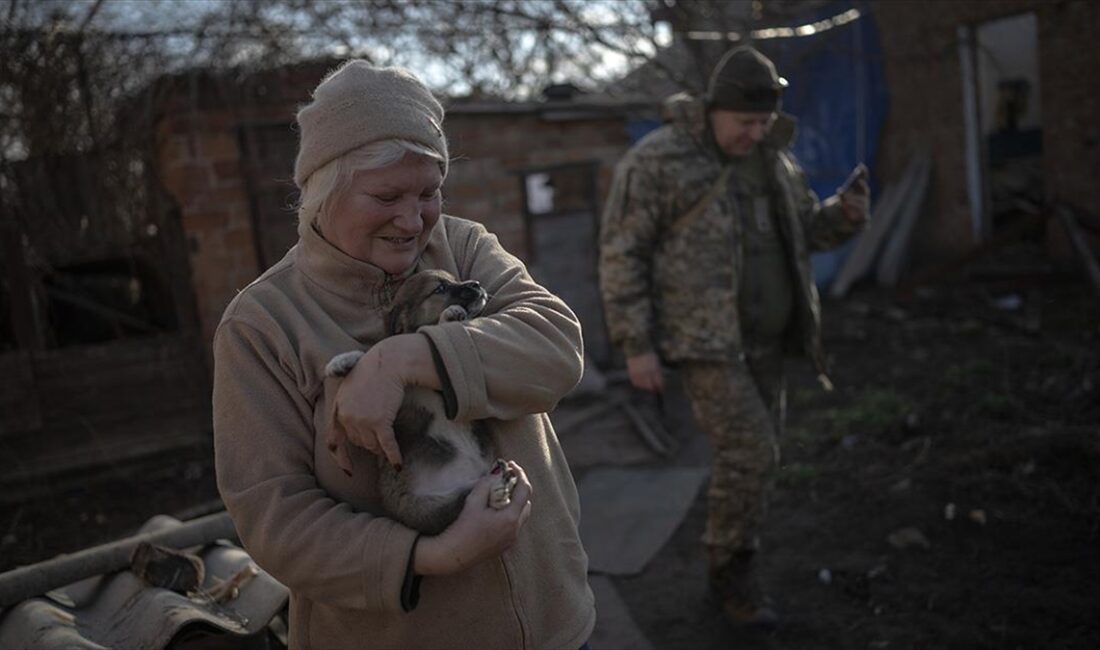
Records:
x=470, y=290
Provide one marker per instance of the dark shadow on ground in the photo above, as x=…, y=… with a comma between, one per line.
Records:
x=954, y=418
x=972, y=423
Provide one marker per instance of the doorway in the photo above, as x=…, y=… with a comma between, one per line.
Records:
x=1002, y=89
x=560, y=209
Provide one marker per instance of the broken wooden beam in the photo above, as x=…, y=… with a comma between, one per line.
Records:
x=652, y=433
x=895, y=251
x=1068, y=218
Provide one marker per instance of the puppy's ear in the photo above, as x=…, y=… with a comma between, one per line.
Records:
x=397, y=320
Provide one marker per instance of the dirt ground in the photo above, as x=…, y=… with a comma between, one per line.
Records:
x=946, y=495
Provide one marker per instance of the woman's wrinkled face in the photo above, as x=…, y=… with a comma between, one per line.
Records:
x=385, y=216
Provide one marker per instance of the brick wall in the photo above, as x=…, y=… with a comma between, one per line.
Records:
x=198, y=145
x=922, y=68
x=492, y=152
x=1070, y=68
x=199, y=167
x=203, y=131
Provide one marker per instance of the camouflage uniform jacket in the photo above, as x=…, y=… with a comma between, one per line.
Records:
x=673, y=283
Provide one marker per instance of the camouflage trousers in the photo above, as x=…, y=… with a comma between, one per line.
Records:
x=740, y=403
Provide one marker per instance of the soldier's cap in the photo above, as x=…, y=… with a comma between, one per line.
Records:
x=745, y=80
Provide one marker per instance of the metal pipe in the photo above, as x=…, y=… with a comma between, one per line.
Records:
x=26, y=582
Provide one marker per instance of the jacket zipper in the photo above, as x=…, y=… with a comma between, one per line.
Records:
x=515, y=605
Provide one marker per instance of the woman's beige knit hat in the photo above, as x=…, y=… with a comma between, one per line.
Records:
x=357, y=104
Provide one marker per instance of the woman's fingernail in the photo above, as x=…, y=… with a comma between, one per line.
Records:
x=496, y=469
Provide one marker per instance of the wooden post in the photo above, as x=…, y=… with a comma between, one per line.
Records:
x=1080, y=243
x=25, y=320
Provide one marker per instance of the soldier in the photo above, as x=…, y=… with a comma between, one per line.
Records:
x=705, y=262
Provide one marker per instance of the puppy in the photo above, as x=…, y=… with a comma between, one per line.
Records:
x=441, y=459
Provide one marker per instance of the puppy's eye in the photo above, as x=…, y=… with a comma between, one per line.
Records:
x=441, y=288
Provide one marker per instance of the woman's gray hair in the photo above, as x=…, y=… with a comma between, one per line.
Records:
x=325, y=185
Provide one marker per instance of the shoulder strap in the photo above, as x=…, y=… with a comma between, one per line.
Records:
x=699, y=208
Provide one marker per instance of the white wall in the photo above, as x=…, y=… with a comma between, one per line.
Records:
x=1008, y=48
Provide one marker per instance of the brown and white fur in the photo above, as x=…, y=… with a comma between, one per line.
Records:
x=441, y=458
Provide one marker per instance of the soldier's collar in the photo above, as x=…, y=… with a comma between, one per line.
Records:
x=783, y=131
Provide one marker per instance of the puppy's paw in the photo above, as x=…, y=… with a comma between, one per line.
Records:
x=453, y=313
x=500, y=494
x=342, y=364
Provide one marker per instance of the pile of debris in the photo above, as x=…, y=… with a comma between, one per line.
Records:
x=172, y=585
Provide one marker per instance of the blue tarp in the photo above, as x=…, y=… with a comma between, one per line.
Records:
x=838, y=93
x=638, y=128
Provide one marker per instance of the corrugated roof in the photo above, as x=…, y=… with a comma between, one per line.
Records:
x=120, y=610
x=594, y=107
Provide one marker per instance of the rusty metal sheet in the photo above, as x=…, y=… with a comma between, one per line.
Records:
x=121, y=611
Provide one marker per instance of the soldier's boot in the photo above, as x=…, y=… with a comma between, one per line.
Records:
x=743, y=602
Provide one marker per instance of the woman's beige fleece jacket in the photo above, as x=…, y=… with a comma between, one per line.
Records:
x=311, y=526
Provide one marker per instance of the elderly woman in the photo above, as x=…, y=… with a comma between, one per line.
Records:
x=371, y=162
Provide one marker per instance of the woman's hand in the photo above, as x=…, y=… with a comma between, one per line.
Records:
x=368, y=399
x=645, y=372
x=480, y=532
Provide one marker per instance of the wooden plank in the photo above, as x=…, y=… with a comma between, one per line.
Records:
x=171, y=250
x=99, y=385
x=104, y=312
x=36, y=459
x=653, y=433
x=1080, y=244
x=863, y=255
x=18, y=396
x=26, y=319
x=896, y=252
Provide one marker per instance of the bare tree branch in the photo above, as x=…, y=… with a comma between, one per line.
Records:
x=91, y=14
x=65, y=66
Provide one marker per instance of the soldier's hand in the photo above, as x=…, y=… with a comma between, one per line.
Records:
x=855, y=206
x=855, y=195
x=645, y=372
